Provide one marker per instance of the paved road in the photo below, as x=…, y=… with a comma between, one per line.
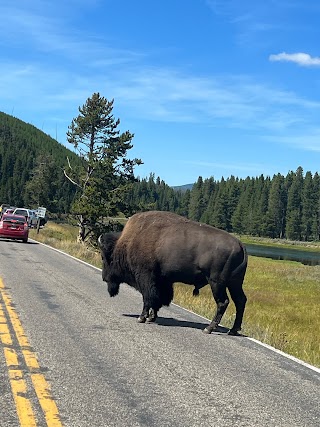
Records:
x=101, y=368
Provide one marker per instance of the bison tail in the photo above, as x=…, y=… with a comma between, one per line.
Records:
x=243, y=266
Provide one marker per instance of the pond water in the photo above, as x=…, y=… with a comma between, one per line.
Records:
x=305, y=257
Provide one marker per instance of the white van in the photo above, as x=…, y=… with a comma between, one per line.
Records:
x=30, y=215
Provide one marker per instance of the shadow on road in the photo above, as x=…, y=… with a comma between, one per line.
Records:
x=170, y=321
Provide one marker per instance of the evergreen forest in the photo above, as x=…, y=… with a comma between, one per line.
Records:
x=286, y=207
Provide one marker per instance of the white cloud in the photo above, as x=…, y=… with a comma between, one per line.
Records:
x=230, y=101
x=81, y=63
x=309, y=141
x=161, y=94
x=302, y=59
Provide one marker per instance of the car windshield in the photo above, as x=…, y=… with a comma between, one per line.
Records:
x=14, y=218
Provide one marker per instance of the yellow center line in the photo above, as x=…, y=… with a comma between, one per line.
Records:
x=23, y=404
x=17, y=381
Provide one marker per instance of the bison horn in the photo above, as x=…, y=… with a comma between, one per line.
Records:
x=99, y=240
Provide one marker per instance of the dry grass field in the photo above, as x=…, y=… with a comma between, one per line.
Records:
x=283, y=308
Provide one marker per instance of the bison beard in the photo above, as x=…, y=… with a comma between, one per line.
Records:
x=113, y=289
x=157, y=249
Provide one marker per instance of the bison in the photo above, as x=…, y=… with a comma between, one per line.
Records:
x=157, y=249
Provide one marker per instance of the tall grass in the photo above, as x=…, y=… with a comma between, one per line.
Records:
x=64, y=237
x=283, y=307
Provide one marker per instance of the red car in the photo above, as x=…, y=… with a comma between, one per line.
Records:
x=14, y=227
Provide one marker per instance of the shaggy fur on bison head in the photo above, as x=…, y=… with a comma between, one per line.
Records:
x=107, y=243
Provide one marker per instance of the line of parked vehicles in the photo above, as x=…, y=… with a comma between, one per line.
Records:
x=16, y=222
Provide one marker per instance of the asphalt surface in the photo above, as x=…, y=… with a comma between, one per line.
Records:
x=107, y=370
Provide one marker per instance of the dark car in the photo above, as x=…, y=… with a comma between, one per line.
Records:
x=6, y=209
x=14, y=227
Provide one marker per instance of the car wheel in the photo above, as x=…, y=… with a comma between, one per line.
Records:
x=25, y=240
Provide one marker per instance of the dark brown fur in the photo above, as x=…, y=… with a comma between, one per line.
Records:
x=157, y=249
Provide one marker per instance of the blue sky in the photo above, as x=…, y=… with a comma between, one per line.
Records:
x=208, y=87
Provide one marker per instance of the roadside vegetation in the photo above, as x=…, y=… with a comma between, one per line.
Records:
x=283, y=308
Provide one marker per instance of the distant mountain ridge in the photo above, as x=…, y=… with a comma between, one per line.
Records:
x=183, y=188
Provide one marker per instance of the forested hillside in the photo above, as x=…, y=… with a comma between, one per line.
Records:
x=31, y=167
x=278, y=207
x=31, y=174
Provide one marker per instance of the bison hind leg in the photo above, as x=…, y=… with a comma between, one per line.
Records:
x=239, y=298
x=219, y=293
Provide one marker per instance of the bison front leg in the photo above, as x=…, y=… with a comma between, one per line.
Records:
x=221, y=298
x=148, y=315
x=145, y=313
x=151, y=305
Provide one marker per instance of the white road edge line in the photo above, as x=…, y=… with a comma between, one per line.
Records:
x=269, y=347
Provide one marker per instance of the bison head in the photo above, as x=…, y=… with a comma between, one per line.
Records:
x=107, y=244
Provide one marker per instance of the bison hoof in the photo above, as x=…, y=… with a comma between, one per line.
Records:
x=141, y=319
x=234, y=333
x=151, y=316
x=211, y=328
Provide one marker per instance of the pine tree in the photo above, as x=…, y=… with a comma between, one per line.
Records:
x=294, y=206
x=40, y=190
x=233, y=192
x=183, y=208
x=316, y=216
x=196, y=206
x=106, y=173
x=241, y=218
x=219, y=217
x=275, y=218
x=308, y=207
x=258, y=205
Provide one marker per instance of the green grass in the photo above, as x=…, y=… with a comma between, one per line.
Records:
x=283, y=307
